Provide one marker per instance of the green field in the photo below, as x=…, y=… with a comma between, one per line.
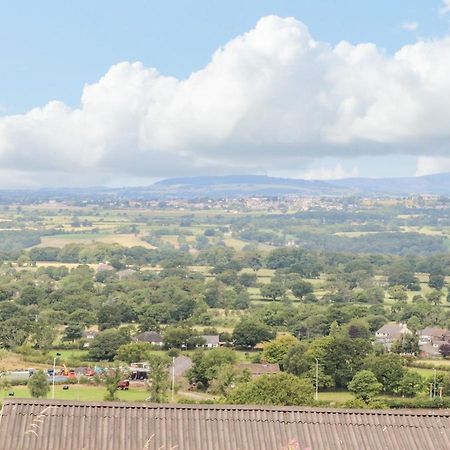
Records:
x=83, y=392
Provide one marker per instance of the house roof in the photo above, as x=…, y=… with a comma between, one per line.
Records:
x=433, y=331
x=149, y=336
x=260, y=368
x=393, y=329
x=55, y=425
x=211, y=339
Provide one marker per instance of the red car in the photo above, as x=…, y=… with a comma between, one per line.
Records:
x=124, y=385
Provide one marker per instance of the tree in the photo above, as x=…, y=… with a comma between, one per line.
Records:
x=340, y=356
x=434, y=297
x=112, y=377
x=408, y=344
x=158, y=378
x=206, y=364
x=248, y=279
x=272, y=291
x=365, y=385
x=275, y=389
x=444, y=350
x=15, y=331
x=242, y=300
x=42, y=336
x=389, y=370
x=301, y=288
x=225, y=378
x=38, y=384
x=72, y=332
x=436, y=281
x=181, y=337
x=249, y=332
x=134, y=352
x=275, y=351
x=411, y=384
x=398, y=293
x=403, y=274
x=295, y=361
x=104, y=346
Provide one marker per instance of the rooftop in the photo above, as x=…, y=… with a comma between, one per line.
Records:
x=148, y=336
x=38, y=424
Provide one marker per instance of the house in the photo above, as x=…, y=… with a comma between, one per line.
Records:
x=257, y=369
x=33, y=424
x=431, y=334
x=390, y=333
x=88, y=336
x=211, y=341
x=152, y=337
x=430, y=340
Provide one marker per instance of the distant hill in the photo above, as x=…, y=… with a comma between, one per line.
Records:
x=241, y=186
x=438, y=184
x=263, y=185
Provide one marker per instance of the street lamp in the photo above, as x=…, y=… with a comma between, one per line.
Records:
x=53, y=374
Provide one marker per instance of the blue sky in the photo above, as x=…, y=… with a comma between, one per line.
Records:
x=50, y=49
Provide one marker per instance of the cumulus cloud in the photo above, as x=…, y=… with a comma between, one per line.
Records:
x=410, y=26
x=270, y=99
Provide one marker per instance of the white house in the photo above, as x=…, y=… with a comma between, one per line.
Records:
x=390, y=333
x=211, y=341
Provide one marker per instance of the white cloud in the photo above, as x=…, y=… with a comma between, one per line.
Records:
x=268, y=100
x=410, y=26
x=427, y=165
x=330, y=173
x=445, y=8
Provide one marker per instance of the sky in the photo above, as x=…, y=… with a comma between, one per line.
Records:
x=124, y=93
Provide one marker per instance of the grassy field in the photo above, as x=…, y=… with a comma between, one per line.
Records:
x=336, y=396
x=83, y=392
x=126, y=240
x=435, y=362
x=424, y=372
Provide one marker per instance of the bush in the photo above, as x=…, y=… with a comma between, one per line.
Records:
x=419, y=402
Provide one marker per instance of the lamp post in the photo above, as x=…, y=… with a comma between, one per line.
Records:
x=317, y=379
x=53, y=374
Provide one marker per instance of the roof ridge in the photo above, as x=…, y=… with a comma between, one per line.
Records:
x=268, y=408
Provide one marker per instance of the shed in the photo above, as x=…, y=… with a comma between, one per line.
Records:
x=27, y=424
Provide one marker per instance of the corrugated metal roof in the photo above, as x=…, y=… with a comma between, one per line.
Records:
x=60, y=425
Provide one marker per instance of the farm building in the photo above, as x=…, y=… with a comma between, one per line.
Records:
x=54, y=425
x=152, y=337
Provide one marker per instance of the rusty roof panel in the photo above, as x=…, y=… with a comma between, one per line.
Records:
x=54, y=425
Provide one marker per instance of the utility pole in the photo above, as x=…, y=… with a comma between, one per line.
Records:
x=317, y=379
x=53, y=375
